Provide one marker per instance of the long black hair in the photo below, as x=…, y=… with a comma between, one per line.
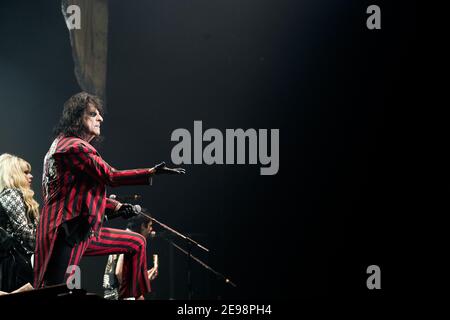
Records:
x=135, y=223
x=71, y=121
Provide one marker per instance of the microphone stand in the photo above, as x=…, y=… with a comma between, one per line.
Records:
x=189, y=281
x=188, y=253
x=218, y=274
x=189, y=240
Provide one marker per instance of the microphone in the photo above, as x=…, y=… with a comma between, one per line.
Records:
x=137, y=209
x=134, y=197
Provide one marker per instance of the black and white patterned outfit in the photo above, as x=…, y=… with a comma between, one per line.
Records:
x=13, y=218
x=110, y=282
x=17, y=241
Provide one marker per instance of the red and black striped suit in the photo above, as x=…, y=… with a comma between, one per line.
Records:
x=74, y=187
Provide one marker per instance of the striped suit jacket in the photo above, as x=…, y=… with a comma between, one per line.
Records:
x=74, y=186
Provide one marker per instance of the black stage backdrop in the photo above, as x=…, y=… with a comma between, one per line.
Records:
x=335, y=89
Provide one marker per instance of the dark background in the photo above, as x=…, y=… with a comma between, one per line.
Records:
x=337, y=91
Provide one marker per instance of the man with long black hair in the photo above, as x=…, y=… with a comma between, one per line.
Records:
x=75, y=203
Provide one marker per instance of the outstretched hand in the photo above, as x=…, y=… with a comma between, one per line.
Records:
x=161, y=168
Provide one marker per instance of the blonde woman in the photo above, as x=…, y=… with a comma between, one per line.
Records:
x=19, y=215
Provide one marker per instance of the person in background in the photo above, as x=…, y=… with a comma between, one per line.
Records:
x=19, y=215
x=112, y=278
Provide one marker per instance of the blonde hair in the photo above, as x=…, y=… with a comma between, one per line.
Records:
x=12, y=175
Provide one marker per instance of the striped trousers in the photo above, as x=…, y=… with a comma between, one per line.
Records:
x=110, y=241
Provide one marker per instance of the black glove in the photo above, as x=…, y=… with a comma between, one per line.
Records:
x=127, y=211
x=161, y=168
